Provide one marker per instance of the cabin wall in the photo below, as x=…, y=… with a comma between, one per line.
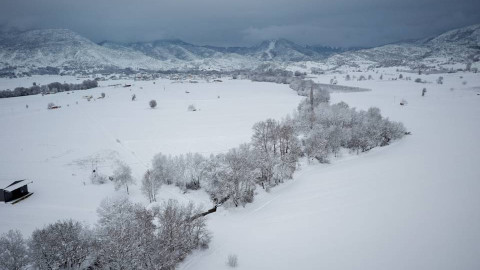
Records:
x=18, y=193
x=7, y=196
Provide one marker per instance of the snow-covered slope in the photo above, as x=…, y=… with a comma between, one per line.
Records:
x=463, y=43
x=283, y=50
x=271, y=50
x=456, y=46
x=65, y=49
x=167, y=49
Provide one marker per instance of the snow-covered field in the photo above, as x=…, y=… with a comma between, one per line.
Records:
x=412, y=205
x=57, y=149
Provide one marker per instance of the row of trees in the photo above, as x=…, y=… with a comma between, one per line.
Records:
x=127, y=236
x=317, y=130
x=48, y=88
x=267, y=160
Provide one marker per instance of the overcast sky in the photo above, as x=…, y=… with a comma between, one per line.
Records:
x=342, y=23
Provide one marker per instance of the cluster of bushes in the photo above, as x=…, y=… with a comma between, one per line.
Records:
x=127, y=236
x=272, y=75
x=49, y=88
x=316, y=131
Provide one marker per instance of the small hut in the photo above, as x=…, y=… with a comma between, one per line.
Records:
x=14, y=191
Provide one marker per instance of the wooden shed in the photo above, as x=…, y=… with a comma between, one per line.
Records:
x=14, y=191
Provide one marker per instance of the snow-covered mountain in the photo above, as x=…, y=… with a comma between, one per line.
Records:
x=456, y=46
x=167, y=50
x=270, y=50
x=64, y=50
x=285, y=50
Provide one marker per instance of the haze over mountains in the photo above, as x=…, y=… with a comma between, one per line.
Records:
x=61, y=50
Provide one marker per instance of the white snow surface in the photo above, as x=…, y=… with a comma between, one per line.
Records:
x=412, y=205
x=56, y=148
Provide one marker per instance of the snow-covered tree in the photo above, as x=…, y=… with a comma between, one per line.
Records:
x=181, y=230
x=122, y=176
x=195, y=170
x=13, y=251
x=62, y=245
x=162, y=169
x=316, y=144
x=231, y=176
x=265, y=146
x=289, y=150
x=126, y=236
x=150, y=186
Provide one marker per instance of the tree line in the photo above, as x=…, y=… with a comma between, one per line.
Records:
x=317, y=130
x=53, y=87
x=127, y=236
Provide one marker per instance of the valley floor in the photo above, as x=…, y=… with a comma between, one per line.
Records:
x=58, y=149
x=412, y=205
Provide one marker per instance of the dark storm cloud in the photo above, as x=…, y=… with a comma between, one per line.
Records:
x=244, y=22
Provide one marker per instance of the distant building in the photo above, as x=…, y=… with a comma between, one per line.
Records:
x=14, y=191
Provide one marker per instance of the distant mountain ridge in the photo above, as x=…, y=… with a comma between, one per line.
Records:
x=269, y=50
x=64, y=50
x=460, y=45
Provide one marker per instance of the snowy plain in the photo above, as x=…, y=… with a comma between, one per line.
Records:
x=58, y=149
x=412, y=205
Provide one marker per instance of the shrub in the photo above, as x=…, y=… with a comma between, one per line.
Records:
x=418, y=80
x=440, y=80
x=98, y=178
x=51, y=105
x=153, y=103
x=191, y=108
x=232, y=260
